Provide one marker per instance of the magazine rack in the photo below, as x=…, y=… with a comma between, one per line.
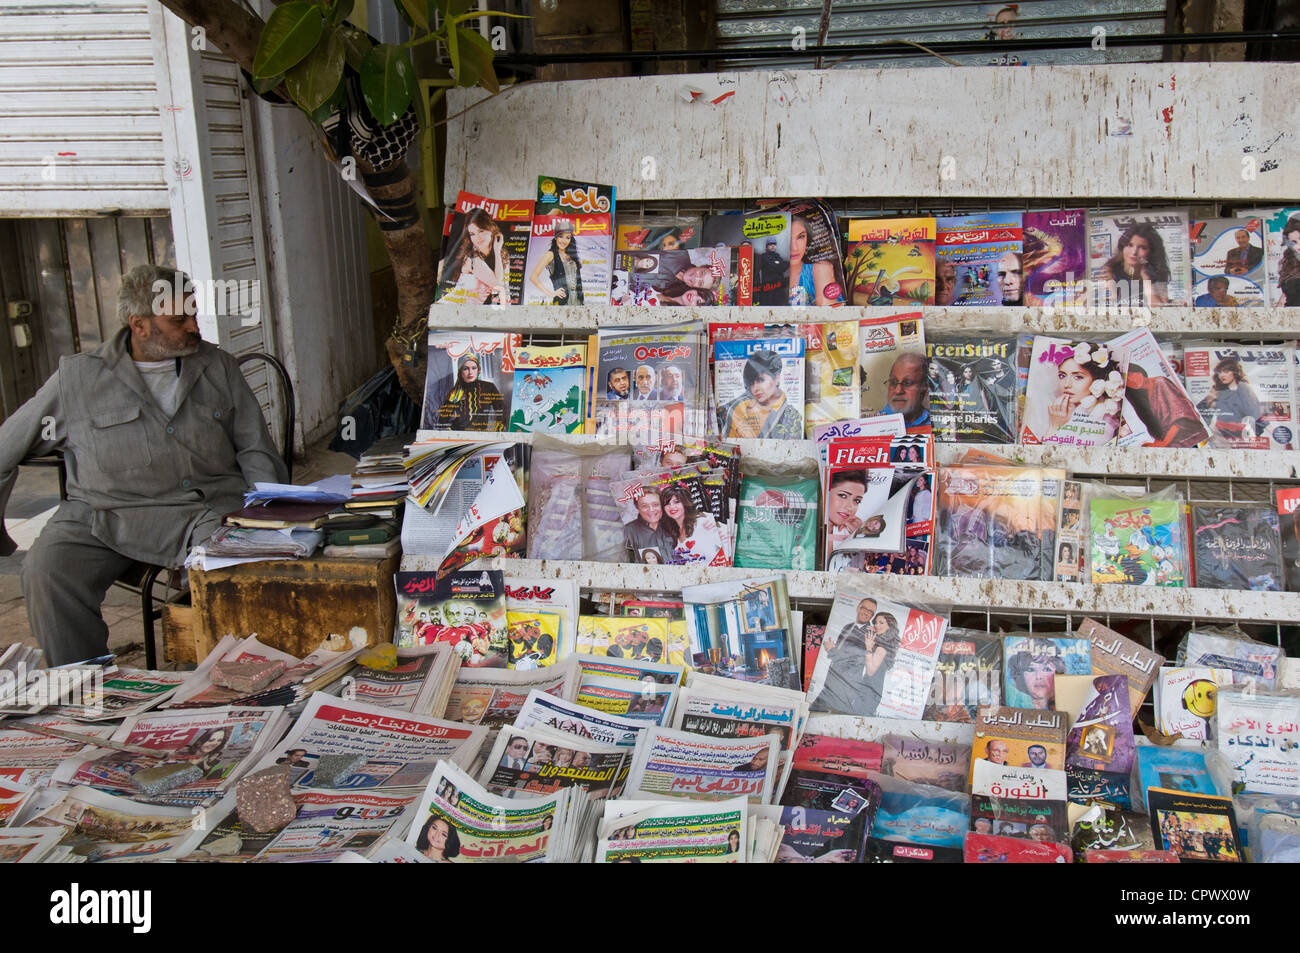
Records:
x=1176, y=133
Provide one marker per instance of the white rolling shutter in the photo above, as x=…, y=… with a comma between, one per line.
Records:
x=80, y=132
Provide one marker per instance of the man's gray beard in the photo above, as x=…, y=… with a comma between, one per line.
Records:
x=150, y=351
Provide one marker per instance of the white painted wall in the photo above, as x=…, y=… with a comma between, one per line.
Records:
x=1158, y=130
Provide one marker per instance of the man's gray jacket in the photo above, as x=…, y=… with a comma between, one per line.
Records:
x=147, y=480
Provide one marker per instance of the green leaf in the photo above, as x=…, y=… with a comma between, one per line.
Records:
x=476, y=61
x=313, y=80
x=267, y=83
x=291, y=32
x=475, y=14
x=356, y=44
x=417, y=12
x=451, y=8
x=387, y=82
x=340, y=10
x=334, y=101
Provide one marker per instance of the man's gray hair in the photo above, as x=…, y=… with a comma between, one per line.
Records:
x=146, y=288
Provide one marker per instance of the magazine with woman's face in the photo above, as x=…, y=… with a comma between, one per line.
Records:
x=1140, y=258
x=1075, y=392
x=469, y=380
x=667, y=520
x=569, y=260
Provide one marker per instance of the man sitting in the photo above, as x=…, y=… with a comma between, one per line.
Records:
x=161, y=436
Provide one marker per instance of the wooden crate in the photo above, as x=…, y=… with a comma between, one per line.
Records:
x=293, y=605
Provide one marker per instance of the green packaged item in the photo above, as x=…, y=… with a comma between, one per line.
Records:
x=777, y=523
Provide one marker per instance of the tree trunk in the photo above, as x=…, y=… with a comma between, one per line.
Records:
x=234, y=31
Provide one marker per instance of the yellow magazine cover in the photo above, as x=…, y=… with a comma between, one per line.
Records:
x=534, y=638
x=830, y=376
x=890, y=261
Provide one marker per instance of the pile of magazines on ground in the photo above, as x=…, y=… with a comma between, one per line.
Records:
x=710, y=727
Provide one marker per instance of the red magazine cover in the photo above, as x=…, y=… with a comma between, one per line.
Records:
x=1130, y=857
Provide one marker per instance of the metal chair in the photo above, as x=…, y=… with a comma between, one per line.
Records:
x=142, y=578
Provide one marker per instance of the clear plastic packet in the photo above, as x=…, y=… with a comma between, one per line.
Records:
x=1136, y=540
x=997, y=521
x=1253, y=664
x=569, y=487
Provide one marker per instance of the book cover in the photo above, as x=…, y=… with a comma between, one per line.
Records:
x=1031, y=664
x=1259, y=734
x=935, y=763
x=967, y=676
x=570, y=260
x=1114, y=654
x=1140, y=259
x=973, y=389
x=878, y=658
x=1138, y=542
x=485, y=243
x=1039, y=821
x=768, y=234
x=469, y=380
x=1075, y=392
x=465, y=609
x=1245, y=394
x=992, y=849
x=812, y=645
x=1177, y=769
x=1228, y=263
x=555, y=194
x=759, y=388
x=1288, y=515
x=548, y=389
x=1101, y=738
x=1237, y=547
x=1199, y=828
x=1055, y=261
x=1019, y=737
x=921, y=816
x=891, y=366
x=814, y=836
x=743, y=630
x=891, y=261
x=1130, y=857
x=1186, y=699
x=1157, y=409
x=984, y=250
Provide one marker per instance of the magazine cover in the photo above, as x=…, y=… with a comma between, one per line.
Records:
x=665, y=521
x=1236, y=547
x=831, y=375
x=647, y=385
x=1019, y=738
x=767, y=233
x=991, y=849
x=967, y=676
x=816, y=276
x=1245, y=394
x=684, y=277
x=464, y=609
x=1075, y=392
x=535, y=638
x=1071, y=534
x=1281, y=254
x=1138, y=542
x=1031, y=664
x=1056, y=258
x=569, y=195
x=836, y=836
x=890, y=261
x=865, y=505
x=878, y=658
x=1185, y=700
x=469, y=380
x=548, y=388
x=891, y=363
x=992, y=520
x=984, y=251
x=658, y=233
x=1288, y=515
x=918, y=822
x=1101, y=738
x=484, y=244
x=1157, y=410
x=1228, y=263
x=570, y=258
x=777, y=523
x=973, y=389
x=1199, y=828
x=1140, y=259
x=743, y=630
x=758, y=388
